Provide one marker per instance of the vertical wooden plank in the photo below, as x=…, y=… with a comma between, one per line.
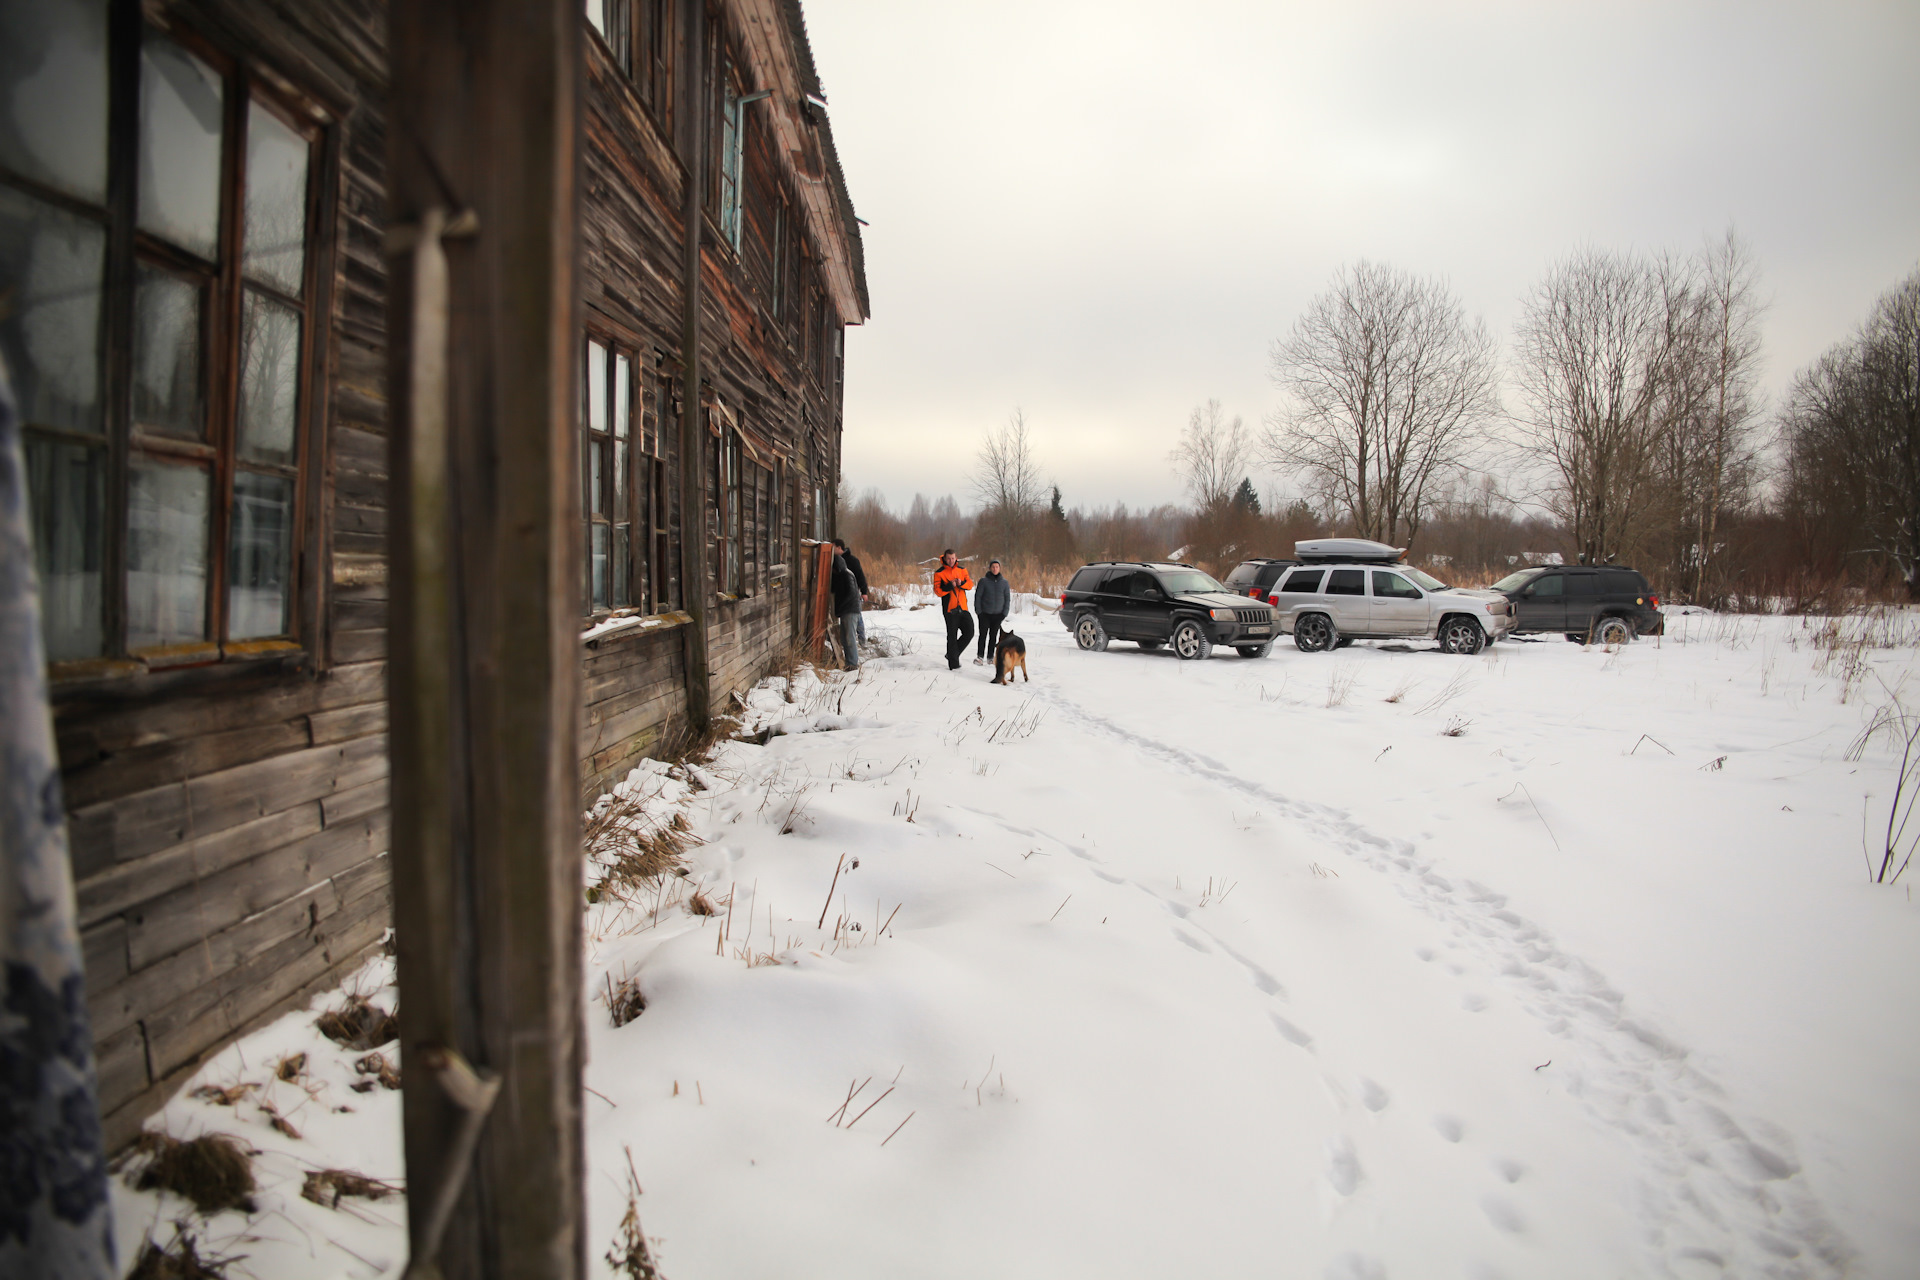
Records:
x=693, y=471
x=486, y=603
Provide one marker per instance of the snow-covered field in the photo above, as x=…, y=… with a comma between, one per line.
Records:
x=1553, y=961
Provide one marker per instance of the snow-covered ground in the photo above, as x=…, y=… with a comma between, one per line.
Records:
x=1553, y=961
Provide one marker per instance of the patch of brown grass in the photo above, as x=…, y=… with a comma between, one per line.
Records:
x=325, y=1187
x=212, y=1171
x=180, y=1260
x=382, y=1072
x=624, y=1001
x=632, y=847
x=359, y=1024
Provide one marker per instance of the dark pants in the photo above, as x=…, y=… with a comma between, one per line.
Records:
x=959, y=631
x=989, y=634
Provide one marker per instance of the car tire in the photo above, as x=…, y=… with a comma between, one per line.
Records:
x=1315, y=633
x=1149, y=646
x=1343, y=642
x=1612, y=631
x=1089, y=634
x=1254, y=650
x=1190, y=643
x=1461, y=635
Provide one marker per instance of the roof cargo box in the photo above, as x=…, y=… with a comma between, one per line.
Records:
x=1353, y=550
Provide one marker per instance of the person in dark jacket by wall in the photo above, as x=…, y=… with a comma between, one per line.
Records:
x=992, y=600
x=951, y=584
x=846, y=610
x=860, y=576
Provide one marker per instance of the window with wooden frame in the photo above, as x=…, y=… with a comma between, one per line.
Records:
x=613, y=20
x=653, y=571
x=732, y=150
x=606, y=395
x=158, y=209
x=639, y=35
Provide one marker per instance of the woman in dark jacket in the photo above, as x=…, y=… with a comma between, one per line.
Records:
x=846, y=610
x=992, y=600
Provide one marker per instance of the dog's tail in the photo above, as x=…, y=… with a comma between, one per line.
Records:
x=1000, y=664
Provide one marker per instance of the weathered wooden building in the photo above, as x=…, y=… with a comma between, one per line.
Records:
x=192, y=213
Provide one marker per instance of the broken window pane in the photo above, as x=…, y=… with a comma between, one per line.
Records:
x=260, y=564
x=166, y=554
x=66, y=484
x=276, y=229
x=179, y=178
x=599, y=566
x=53, y=94
x=50, y=329
x=166, y=355
x=269, y=378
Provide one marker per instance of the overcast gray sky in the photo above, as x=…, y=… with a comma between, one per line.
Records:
x=1104, y=213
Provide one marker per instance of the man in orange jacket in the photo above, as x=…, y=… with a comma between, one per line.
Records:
x=951, y=584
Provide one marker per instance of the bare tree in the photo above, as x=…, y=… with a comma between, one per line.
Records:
x=1213, y=456
x=1007, y=481
x=1851, y=426
x=1600, y=346
x=1389, y=382
x=1727, y=320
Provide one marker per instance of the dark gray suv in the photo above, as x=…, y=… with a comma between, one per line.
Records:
x=1603, y=604
x=1153, y=604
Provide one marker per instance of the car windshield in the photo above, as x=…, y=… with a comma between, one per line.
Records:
x=1185, y=582
x=1515, y=581
x=1426, y=580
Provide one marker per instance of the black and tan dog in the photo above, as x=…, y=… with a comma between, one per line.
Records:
x=1011, y=652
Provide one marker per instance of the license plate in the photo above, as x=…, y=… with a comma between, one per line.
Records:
x=1258, y=631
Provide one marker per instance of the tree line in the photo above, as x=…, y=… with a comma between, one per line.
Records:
x=1624, y=424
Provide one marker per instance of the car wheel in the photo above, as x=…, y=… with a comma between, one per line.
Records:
x=1612, y=631
x=1089, y=634
x=1461, y=635
x=1149, y=646
x=1343, y=642
x=1190, y=643
x=1254, y=650
x=1314, y=633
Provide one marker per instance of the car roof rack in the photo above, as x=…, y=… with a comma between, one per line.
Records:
x=1346, y=550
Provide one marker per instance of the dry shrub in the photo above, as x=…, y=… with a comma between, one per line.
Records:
x=180, y=1260
x=359, y=1024
x=219, y=1097
x=701, y=905
x=325, y=1187
x=382, y=1071
x=630, y=1255
x=212, y=1171
x=624, y=1001
x=291, y=1067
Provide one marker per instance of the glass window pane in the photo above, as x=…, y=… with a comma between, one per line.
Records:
x=260, y=564
x=599, y=566
x=597, y=15
x=50, y=327
x=269, y=379
x=619, y=477
x=53, y=93
x=276, y=231
x=179, y=178
x=166, y=354
x=622, y=396
x=596, y=491
x=66, y=485
x=596, y=387
x=620, y=543
x=166, y=554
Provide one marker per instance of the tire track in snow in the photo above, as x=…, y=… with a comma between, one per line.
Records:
x=1717, y=1200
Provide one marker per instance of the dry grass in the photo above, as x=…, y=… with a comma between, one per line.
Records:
x=631, y=847
x=212, y=1171
x=380, y=1071
x=359, y=1024
x=325, y=1187
x=180, y=1260
x=630, y=1256
x=624, y=1001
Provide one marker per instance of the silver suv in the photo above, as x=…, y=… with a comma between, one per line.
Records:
x=1348, y=589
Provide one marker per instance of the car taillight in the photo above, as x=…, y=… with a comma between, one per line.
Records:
x=1254, y=592
x=1063, y=599
x=1655, y=600
x=1274, y=599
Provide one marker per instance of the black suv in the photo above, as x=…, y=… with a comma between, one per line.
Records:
x=1256, y=577
x=1598, y=603
x=1156, y=604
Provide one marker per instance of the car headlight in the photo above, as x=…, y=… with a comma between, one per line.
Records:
x=1220, y=615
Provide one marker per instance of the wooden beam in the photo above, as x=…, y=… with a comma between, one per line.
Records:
x=693, y=436
x=486, y=603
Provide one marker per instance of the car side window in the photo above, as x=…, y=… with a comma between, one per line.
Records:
x=1114, y=583
x=1141, y=586
x=1304, y=581
x=1269, y=574
x=1586, y=585
x=1391, y=586
x=1087, y=580
x=1622, y=582
x=1549, y=584
x=1346, y=582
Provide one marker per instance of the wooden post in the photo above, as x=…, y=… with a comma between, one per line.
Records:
x=484, y=660
x=693, y=436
